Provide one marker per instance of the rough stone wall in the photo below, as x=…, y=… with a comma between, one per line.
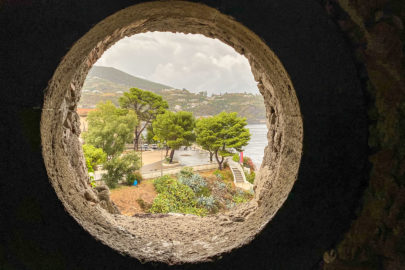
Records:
x=375, y=29
x=37, y=230
x=167, y=239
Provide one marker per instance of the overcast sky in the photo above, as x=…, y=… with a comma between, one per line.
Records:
x=194, y=62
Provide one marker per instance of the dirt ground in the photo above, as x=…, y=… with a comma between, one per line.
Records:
x=125, y=197
x=149, y=157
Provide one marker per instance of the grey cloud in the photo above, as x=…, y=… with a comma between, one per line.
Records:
x=182, y=61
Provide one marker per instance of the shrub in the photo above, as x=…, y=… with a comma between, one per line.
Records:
x=132, y=177
x=185, y=172
x=174, y=197
x=162, y=183
x=241, y=196
x=218, y=174
x=207, y=202
x=250, y=177
x=118, y=167
x=235, y=157
x=248, y=163
x=221, y=185
x=196, y=182
x=228, y=175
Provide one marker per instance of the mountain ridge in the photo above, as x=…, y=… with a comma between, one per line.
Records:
x=121, y=77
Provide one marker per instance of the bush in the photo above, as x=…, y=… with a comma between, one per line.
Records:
x=221, y=185
x=218, y=174
x=161, y=184
x=118, y=167
x=207, y=202
x=235, y=157
x=196, y=182
x=241, y=196
x=185, y=172
x=129, y=180
x=174, y=197
x=250, y=177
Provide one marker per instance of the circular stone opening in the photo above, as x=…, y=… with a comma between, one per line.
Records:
x=171, y=238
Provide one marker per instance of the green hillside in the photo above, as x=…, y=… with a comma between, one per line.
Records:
x=122, y=78
x=98, y=87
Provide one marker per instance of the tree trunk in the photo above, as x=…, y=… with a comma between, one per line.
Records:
x=219, y=161
x=167, y=151
x=211, y=155
x=136, y=139
x=171, y=156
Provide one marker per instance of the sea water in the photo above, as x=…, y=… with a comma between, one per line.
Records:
x=258, y=141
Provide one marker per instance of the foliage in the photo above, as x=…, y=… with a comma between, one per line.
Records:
x=241, y=197
x=185, y=172
x=247, y=161
x=118, y=167
x=207, y=202
x=162, y=182
x=129, y=180
x=175, y=129
x=222, y=134
x=205, y=135
x=250, y=177
x=196, y=182
x=88, y=165
x=90, y=170
x=147, y=106
x=110, y=128
x=150, y=135
x=218, y=174
x=96, y=156
x=221, y=185
x=174, y=197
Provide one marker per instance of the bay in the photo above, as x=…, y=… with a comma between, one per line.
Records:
x=258, y=141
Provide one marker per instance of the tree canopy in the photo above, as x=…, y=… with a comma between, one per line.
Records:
x=175, y=129
x=146, y=105
x=95, y=156
x=206, y=137
x=221, y=134
x=120, y=166
x=110, y=128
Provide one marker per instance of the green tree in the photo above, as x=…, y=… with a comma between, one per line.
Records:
x=222, y=134
x=118, y=167
x=146, y=105
x=110, y=128
x=150, y=135
x=205, y=135
x=95, y=156
x=174, y=129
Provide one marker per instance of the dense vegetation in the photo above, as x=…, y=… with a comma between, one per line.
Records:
x=190, y=193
